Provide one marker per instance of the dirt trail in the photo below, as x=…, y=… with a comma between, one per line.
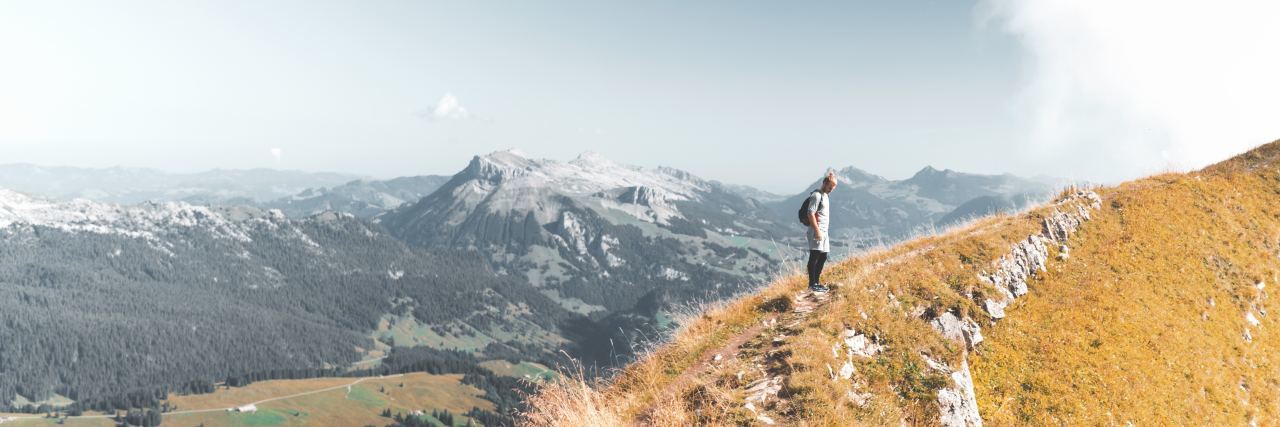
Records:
x=761, y=348
x=802, y=306
x=762, y=395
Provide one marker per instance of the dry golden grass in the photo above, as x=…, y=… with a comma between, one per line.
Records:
x=1146, y=321
x=1123, y=330
x=913, y=272
x=570, y=400
x=640, y=391
x=884, y=299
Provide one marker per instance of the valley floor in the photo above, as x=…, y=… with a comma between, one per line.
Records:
x=319, y=401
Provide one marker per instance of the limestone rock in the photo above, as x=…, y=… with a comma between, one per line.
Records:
x=859, y=344
x=763, y=389
x=957, y=329
x=1028, y=257
x=995, y=308
x=846, y=371
x=1012, y=271
x=958, y=405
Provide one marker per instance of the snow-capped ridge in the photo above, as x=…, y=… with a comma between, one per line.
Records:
x=854, y=177
x=589, y=173
x=594, y=160
x=498, y=166
x=147, y=220
x=930, y=171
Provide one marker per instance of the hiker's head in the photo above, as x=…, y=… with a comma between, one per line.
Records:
x=829, y=182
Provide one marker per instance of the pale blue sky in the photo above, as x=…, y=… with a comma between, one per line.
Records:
x=762, y=93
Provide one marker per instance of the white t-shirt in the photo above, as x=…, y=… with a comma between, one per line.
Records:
x=820, y=207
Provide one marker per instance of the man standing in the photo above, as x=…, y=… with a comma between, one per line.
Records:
x=819, y=222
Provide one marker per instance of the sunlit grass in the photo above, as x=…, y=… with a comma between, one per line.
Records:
x=1144, y=322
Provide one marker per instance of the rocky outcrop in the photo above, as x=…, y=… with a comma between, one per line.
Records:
x=640, y=195
x=958, y=329
x=1062, y=223
x=1028, y=257
x=858, y=344
x=497, y=167
x=957, y=404
x=1013, y=270
x=852, y=344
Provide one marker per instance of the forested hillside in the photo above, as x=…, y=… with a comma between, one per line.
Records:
x=99, y=301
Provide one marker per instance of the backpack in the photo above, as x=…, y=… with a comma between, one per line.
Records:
x=804, y=209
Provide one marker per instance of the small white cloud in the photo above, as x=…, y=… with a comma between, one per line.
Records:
x=449, y=109
x=276, y=153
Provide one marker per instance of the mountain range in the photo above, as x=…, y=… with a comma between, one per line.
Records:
x=869, y=210
x=363, y=198
x=280, y=274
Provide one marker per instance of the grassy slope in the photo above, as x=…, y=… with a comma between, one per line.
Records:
x=923, y=273
x=1116, y=332
x=1146, y=321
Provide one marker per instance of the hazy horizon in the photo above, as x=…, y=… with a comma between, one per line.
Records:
x=526, y=154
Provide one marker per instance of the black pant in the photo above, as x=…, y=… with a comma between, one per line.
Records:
x=817, y=259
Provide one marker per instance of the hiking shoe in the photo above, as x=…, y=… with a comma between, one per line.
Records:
x=818, y=288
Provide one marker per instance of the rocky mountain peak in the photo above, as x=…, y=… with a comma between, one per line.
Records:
x=593, y=160
x=931, y=176
x=931, y=171
x=146, y=220
x=499, y=165
x=854, y=176
x=511, y=158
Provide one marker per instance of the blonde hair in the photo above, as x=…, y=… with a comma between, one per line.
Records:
x=830, y=177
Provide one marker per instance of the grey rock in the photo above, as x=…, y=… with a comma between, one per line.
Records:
x=641, y=195
x=995, y=308
x=1028, y=258
x=763, y=389
x=958, y=405
x=846, y=371
x=1013, y=270
x=957, y=329
x=859, y=344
